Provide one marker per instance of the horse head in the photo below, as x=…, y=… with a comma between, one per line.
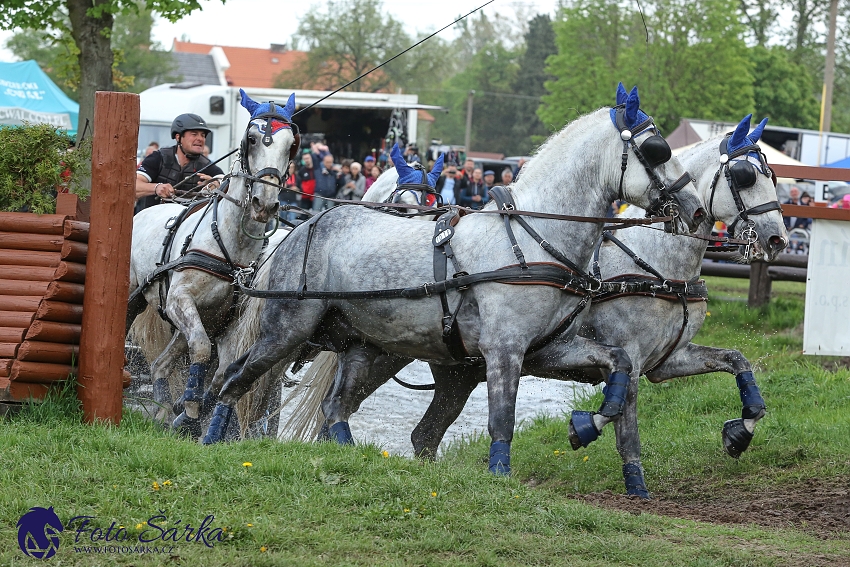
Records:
x=270, y=142
x=413, y=184
x=742, y=193
x=669, y=191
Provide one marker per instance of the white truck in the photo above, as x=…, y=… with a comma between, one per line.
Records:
x=353, y=124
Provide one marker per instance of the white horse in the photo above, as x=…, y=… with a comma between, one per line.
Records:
x=655, y=328
x=577, y=173
x=190, y=281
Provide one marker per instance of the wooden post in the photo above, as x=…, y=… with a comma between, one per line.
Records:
x=759, y=285
x=113, y=176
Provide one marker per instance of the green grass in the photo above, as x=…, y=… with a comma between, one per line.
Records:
x=320, y=504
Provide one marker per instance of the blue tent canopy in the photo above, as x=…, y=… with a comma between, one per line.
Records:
x=28, y=95
x=840, y=163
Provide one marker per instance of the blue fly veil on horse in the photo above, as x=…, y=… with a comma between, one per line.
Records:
x=276, y=118
x=415, y=178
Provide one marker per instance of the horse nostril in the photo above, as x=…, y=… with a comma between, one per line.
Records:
x=777, y=242
x=700, y=214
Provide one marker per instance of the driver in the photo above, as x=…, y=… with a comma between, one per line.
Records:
x=164, y=168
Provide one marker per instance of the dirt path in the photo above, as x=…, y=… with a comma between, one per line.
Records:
x=819, y=507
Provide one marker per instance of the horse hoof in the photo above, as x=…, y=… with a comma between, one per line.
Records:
x=583, y=431
x=324, y=433
x=500, y=458
x=186, y=426
x=635, y=485
x=341, y=433
x=178, y=406
x=736, y=438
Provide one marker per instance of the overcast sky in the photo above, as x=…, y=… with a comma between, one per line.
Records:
x=258, y=23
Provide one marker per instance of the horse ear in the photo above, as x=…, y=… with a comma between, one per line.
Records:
x=754, y=137
x=290, y=107
x=632, y=107
x=247, y=103
x=404, y=170
x=434, y=175
x=739, y=136
x=622, y=95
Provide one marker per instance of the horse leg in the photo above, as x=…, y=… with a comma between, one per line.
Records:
x=503, y=372
x=695, y=359
x=162, y=368
x=628, y=441
x=585, y=427
x=272, y=346
x=452, y=387
x=353, y=383
x=183, y=312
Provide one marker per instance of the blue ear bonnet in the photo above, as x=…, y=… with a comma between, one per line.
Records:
x=408, y=175
x=742, y=137
x=257, y=109
x=631, y=101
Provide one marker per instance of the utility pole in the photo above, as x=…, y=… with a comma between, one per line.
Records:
x=467, y=140
x=829, y=72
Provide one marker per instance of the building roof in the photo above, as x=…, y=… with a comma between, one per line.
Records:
x=195, y=68
x=249, y=66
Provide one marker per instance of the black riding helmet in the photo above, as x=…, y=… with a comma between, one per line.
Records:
x=188, y=122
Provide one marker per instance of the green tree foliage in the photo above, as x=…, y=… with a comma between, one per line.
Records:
x=784, y=90
x=138, y=61
x=694, y=62
x=34, y=162
x=91, y=27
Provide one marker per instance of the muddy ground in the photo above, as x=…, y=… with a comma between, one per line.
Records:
x=821, y=508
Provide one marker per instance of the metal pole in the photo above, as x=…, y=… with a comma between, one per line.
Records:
x=467, y=140
x=829, y=69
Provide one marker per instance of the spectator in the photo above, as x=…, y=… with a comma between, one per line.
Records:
x=164, y=168
x=803, y=222
x=374, y=173
x=368, y=162
x=489, y=178
x=307, y=180
x=152, y=147
x=468, y=168
x=354, y=184
x=793, y=199
x=474, y=195
x=507, y=176
x=327, y=184
x=287, y=196
x=448, y=186
x=411, y=154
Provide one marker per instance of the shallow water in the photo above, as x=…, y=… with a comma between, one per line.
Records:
x=389, y=415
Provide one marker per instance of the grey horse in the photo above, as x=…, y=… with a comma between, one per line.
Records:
x=578, y=172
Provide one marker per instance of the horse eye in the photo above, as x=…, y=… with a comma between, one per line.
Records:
x=252, y=140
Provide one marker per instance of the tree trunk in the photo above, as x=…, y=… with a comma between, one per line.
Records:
x=92, y=36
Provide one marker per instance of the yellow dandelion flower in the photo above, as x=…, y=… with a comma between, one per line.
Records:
x=433, y=495
x=139, y=526
x=247, y=464
x=406, y=510
x=585, y=458
x=516, y=495
x=155, y=485
x=263, y=549
x=385, y=454
x=250, y=525
x=557, y=452
x=224, y=529
x=114, y=486
x=708, y=313
x=166, y=483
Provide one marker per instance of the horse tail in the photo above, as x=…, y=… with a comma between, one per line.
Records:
x=150, y=333
x=306, y=417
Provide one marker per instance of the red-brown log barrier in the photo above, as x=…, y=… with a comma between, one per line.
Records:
x=41, y=297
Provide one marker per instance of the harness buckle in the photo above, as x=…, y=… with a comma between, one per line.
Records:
x=508, y=207
x=243, y=276
x=458, y=275
x=427, y=292
x=546, y=243
x=665, y=285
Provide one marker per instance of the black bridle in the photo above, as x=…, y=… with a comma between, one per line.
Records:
x=652, y=153
x=741, y=173
x=415, y=188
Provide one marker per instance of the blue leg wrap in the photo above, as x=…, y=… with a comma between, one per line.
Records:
x=218, y=424
x=583, y=431
x=615, y=394
x=750, y=396
x=633, y=475
x=500, y=458
x=194, y=387
x=341, y=433
x=161, y=391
